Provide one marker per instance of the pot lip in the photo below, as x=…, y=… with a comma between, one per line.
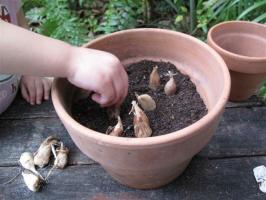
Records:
x=231, y=54
x=181, y=134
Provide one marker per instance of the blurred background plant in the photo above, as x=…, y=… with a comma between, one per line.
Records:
x=212, y=12
x=77, y=21
x=262, y=91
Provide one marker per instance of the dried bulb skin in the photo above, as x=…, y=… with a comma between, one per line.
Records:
x=140, y=122
x=113, y=112
x=170, y=86
x=146, y=102
x=154, y=79
x=61, y=157
x=31, y=180
x=26, y=161
x=117, y=130
x=43, y=154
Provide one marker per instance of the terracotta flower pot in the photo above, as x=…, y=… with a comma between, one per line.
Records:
x=243, y=48
x=152, y=162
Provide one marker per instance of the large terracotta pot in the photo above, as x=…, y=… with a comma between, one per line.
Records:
x=152, y=162
x=243, y=47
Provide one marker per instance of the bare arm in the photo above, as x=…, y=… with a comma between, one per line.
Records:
x=24, y=52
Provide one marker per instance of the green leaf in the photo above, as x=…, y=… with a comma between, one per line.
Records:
x=252, y=8
x=178, y=18
x=172, y=5
x=35, y=15
x=260, y=18
x=49, y=27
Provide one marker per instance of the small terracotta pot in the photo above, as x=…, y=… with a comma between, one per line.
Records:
x=152, y=162
x=242, y=45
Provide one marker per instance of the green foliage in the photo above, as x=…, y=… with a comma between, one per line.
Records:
x=211, y=12
x=55, y=19
x=76, y=21
x=262, y=91
x=121, y=14
x=169, y=14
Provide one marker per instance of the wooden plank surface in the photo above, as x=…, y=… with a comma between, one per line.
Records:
x=18, y=136
x=222, y=170
x=204, y=179
x=20, y=109
x=242, y=132
x=253, y=101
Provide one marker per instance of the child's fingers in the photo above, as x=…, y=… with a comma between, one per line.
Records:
x=104, y=101
x=106, y=93
x=121, y=85
x=32, y=93
x=39, y=91
x=46, y=88
x=24, y=92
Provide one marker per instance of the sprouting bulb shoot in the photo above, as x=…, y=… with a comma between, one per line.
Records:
x=117, y=130
x=154, y=79
x=31, y=180
x=146, y=102
x=61, y=157
x=170, y=86
x=42, y=156
x=140, y=122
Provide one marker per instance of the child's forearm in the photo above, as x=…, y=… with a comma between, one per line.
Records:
x=24, y=52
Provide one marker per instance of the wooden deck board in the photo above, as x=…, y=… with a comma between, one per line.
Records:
x=203, y=179
x=222, y=170
x=242, y=132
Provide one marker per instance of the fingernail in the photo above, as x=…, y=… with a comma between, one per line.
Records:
x=38, y=102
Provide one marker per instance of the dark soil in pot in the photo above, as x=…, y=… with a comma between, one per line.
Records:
x=172, y=113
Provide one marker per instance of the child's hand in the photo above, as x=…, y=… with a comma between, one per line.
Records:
x=101, y=73
x=34, y=89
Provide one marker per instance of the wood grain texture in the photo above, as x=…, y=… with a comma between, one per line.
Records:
x=20, y=109
x=203, y=179
x=241, y=132
x=253, y=101
x=222, y=170
x=18, y=136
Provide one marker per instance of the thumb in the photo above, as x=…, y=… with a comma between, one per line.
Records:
x=100, y=99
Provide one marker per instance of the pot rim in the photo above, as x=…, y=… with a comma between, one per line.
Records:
x=181, y=134
x=229, y=53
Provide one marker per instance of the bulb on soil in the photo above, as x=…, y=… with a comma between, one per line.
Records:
x=146, y=102
x=154, y=79
x=140, y=122
x=117, y=130
x=170, y=86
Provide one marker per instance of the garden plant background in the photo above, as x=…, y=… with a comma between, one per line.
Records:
x=77, y=21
